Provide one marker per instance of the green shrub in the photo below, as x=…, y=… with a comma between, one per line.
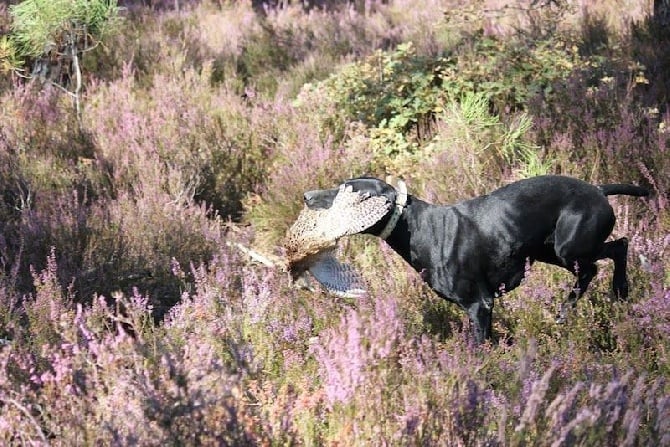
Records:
x=50, y=38
x=471, y=151
x=56, y=24
x=400, y=95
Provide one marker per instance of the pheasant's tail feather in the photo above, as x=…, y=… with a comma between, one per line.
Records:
x=339, y=279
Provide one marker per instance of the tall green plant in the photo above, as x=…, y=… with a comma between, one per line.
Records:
x=49, y=37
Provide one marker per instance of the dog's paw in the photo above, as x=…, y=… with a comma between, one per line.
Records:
x=562, y=316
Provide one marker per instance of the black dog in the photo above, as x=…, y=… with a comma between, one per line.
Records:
x=472, y=251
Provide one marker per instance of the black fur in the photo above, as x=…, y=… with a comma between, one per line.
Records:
x=472, y=251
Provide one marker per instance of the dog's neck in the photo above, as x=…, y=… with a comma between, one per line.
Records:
x=400, y=202
x=405, y=229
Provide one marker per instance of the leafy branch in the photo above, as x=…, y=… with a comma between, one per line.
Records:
x=49, y=38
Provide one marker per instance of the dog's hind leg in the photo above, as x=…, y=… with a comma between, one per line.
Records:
x=585, y=272
x=617, y=251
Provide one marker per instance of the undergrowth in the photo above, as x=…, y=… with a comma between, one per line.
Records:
x=129, y=316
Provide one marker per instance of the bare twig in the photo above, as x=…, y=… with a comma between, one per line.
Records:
x=255, y=256
x=77, y=76
x=26, y=412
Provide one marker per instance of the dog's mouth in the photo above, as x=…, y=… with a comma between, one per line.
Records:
x=311, y=241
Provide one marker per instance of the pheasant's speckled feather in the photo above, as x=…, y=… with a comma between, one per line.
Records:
x=311, y=241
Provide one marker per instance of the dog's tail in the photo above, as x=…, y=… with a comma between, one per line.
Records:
x=622, y=188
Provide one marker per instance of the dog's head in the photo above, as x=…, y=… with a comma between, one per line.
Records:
x=320, y=199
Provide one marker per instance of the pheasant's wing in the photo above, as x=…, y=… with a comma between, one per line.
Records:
x=338, y=279
x=352, y=213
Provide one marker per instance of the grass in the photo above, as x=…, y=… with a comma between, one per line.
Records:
x=128, y=317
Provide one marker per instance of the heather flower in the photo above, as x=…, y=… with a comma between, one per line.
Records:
x=562, y=408
x=342, y=359
x=535, y=399
x=122, y=286
x=257, y=295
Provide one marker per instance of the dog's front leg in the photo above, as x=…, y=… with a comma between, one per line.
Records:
x=481, y=313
